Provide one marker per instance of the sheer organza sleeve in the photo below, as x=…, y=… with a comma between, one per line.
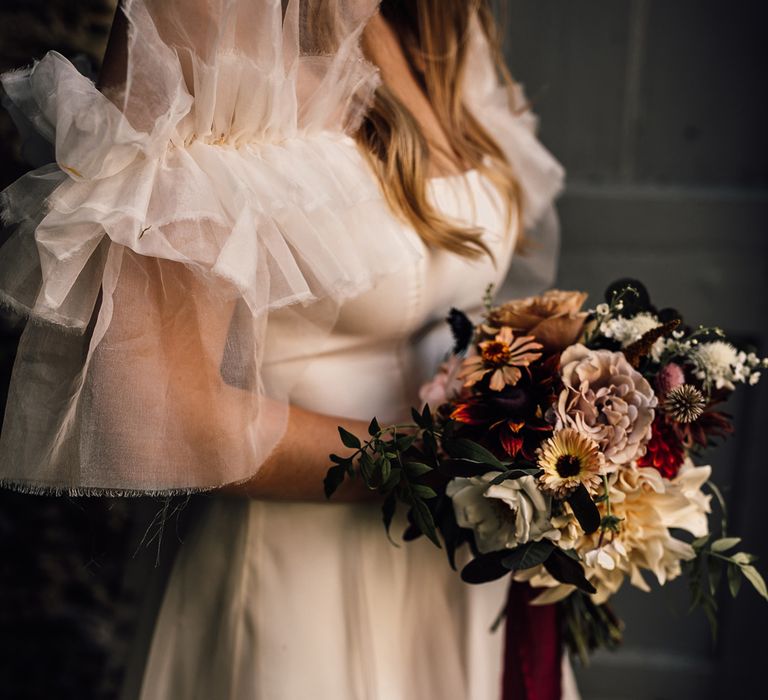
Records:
x=218, y=185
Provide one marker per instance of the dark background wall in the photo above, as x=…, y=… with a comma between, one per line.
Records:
x=657, y=109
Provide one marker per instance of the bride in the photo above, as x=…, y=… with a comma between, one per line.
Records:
x=250, y=236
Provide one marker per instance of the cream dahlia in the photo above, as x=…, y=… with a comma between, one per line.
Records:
x=648, y=507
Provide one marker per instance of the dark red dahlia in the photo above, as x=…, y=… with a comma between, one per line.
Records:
x=665, y=450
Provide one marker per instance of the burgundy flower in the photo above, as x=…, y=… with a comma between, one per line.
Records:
x=664, y=450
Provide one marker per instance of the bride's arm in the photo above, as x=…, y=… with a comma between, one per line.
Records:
x=295, y=468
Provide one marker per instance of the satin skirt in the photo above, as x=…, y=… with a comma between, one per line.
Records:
x=280, y=601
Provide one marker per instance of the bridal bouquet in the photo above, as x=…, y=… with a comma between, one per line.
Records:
x=559, y=445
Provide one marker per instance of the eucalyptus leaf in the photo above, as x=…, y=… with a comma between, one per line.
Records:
x=742, y=558
x=405, y=442
x=528, y=555
x=429, y=444
x=753, y=576
x=484, y=568
x=512, y=474
x=715, y=571
x=725, y=543
x=567, y=570
x=734, y=579
x=394, y=479
x=386, y=470
x=423, y=491
x=462, y=467
x=462, y=448
x=699, y=542
x=367, y=468
x=373, y=428
x=349, y=440
x=416, y=469
x=584, y=509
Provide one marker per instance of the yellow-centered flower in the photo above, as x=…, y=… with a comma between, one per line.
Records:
x=568, y=459
x=502, y=357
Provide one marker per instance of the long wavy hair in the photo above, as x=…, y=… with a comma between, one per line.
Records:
x=433, y=35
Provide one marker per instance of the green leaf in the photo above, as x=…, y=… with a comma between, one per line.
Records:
x=512, y=474
x=484, y=568
x=715, y=571
x=423, y=491
x=710, y=610
x=373, y=428
x=567, y=570
x=423, y=419
x=333, y=479
x=470, y=450
x=416, y=469
x=742, y=558
x=367, y=468
x=734, y=579
x=394, y=480
x=725, y=543
x=584, y=509
x=388, y=509
x=528, y=555
x=422, y=516
x=753, y=576
x=386, y=470
x=349, y=440
x=699, y=542
x=429, y=444
x=405, y=442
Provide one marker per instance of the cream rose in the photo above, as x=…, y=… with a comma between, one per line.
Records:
x=502, y=516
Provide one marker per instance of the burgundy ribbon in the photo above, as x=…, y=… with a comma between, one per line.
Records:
x=533, y=648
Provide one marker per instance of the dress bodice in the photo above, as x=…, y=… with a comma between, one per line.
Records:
x=390, y=338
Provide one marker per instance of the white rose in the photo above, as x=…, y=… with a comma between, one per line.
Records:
x=502, y=516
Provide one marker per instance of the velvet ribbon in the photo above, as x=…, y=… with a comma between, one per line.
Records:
x=533, y=648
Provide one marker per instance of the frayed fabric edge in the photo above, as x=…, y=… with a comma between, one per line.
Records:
x=32, y=489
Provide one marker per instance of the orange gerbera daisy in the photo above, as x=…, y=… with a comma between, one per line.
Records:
x=502, y=358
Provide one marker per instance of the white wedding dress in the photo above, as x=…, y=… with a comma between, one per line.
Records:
x=225, y=184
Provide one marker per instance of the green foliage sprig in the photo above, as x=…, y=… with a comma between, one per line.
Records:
x=705, y=570
x=394, y=461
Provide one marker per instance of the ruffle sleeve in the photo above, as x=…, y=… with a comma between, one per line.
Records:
x=218, y=185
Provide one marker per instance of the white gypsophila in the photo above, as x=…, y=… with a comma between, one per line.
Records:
x=716, y=363
x=658, y=349
x=628, y=330
x=502, y=516
x=747, y=368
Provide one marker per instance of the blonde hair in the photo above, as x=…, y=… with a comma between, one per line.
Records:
x=433, y=34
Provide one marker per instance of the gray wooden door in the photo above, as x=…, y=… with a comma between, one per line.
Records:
x=657, y=108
